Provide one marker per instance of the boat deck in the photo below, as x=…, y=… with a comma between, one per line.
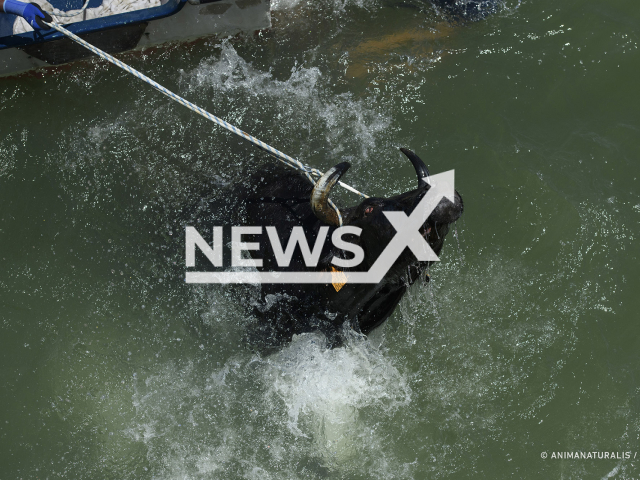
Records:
x=174, y=20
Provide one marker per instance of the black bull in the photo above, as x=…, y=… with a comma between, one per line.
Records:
x=286, y=199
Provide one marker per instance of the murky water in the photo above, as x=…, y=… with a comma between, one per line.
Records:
x=525, y=341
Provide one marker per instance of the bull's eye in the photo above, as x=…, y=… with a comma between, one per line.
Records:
x=368, y=210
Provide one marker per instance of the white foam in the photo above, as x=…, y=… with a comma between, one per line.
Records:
x=304, y=404
x=305, y=113
x=324, y=389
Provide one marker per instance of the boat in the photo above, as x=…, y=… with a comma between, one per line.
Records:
x=142, y=23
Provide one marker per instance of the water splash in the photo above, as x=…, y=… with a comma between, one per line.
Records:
x=301, y=412
x=303, y=108
x=338, y=6
x=324, y=389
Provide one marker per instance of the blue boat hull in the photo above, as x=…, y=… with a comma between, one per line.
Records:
x=173, y=21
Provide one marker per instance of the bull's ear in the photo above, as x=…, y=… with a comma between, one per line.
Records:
x=421, y=169
x=322, y=207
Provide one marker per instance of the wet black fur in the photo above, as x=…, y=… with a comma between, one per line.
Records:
x=280, y=197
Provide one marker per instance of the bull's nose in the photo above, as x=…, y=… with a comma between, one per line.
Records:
x=447, y=211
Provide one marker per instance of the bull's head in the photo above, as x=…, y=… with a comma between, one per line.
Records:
x=282, y=200
x=377, y=231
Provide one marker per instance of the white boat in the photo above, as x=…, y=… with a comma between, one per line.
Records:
x=168, y=20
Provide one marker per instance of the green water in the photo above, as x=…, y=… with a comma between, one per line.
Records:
x=526, y=340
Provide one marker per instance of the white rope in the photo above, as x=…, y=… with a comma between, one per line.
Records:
x=284, y=158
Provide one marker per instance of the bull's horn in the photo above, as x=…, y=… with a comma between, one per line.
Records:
x=421, y=169
x=320, y=194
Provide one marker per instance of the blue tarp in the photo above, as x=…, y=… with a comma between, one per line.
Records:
x=8, y=40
